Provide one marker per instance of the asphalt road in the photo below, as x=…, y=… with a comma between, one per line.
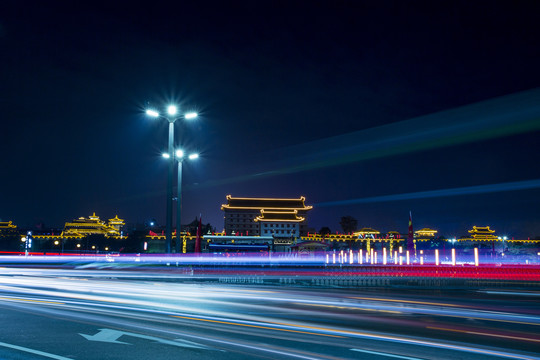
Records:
x=96, y=314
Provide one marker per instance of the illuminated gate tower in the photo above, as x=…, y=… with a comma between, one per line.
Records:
x=482, y=233
x=252, y=216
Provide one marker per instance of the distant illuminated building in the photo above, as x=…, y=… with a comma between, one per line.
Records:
x=424, y=234
x=7, y=227
x=265, y=216
x=367, y=233
x=92, y=225
x=482, y=233
x=279, y=223
x=9, y=236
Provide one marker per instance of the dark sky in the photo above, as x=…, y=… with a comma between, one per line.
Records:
x=349, y=103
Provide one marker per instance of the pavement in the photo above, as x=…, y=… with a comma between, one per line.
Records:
x=95, y=314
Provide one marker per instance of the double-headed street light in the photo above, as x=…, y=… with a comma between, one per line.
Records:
x=179, y=156
x=171, y=116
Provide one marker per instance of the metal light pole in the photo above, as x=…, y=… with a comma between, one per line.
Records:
x=171, y=117
x=179, y=156
x=179, y=201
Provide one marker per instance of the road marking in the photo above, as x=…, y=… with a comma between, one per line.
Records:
x=386, y=354
x=486, y=334
x=255, y=326
x=106, y=335
x=111, y=336
x=36, y=352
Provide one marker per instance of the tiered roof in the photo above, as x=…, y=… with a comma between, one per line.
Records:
x=482, y=233
x=426, y=232
x=265, y=203
x=7, y=225
x=92, y=225
x=367, y=231
x=116, y=221
x=273, y=216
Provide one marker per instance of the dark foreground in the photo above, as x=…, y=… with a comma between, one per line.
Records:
x=95, y=314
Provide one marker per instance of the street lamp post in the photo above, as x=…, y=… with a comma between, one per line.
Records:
x=171, y=117
x=179, y=156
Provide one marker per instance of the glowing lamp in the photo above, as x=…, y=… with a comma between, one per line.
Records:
x=166, y=156
x=193, y=156
x=191, y=115
x=179, y=154
x=171, y=110
x=152, y=113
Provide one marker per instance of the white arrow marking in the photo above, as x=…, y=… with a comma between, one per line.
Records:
x=111, y=336
x=106, y=335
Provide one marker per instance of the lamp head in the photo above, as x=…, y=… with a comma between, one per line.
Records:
x=152, y=113
x=191, y=115
x=171, y=110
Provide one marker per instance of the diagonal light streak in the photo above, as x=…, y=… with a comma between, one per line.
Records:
x=468, y=190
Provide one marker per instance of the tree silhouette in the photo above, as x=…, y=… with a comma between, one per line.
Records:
x=325, y=230
x=348, y=224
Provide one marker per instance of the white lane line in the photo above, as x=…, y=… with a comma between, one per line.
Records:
x=32, y=351
x=386, y=354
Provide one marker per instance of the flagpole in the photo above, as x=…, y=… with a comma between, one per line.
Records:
x=198, y=238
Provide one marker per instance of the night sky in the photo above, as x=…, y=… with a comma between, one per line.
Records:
x=351, y=104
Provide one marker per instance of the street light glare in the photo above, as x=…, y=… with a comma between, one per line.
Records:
x=193, y=156
x=165, y=155
x=172, y=110
x=152, y=113
x=179, y=154
x=191, y=115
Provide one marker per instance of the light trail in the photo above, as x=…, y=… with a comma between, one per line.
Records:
x=502, y=116
x=386, y=354
x=254, y=326
x=238, y=308
x=134, y=294
x=31, y=300
x=485, y=334
x=480, y=189
x=406, y=301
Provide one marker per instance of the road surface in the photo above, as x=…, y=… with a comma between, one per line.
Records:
x=97, y=314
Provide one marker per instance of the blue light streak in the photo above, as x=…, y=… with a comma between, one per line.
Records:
x=468, y=190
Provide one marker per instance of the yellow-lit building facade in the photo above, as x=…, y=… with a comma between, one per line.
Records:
x=7, y=227
x=278, y=217
x=93, y=225
x=89, y=234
